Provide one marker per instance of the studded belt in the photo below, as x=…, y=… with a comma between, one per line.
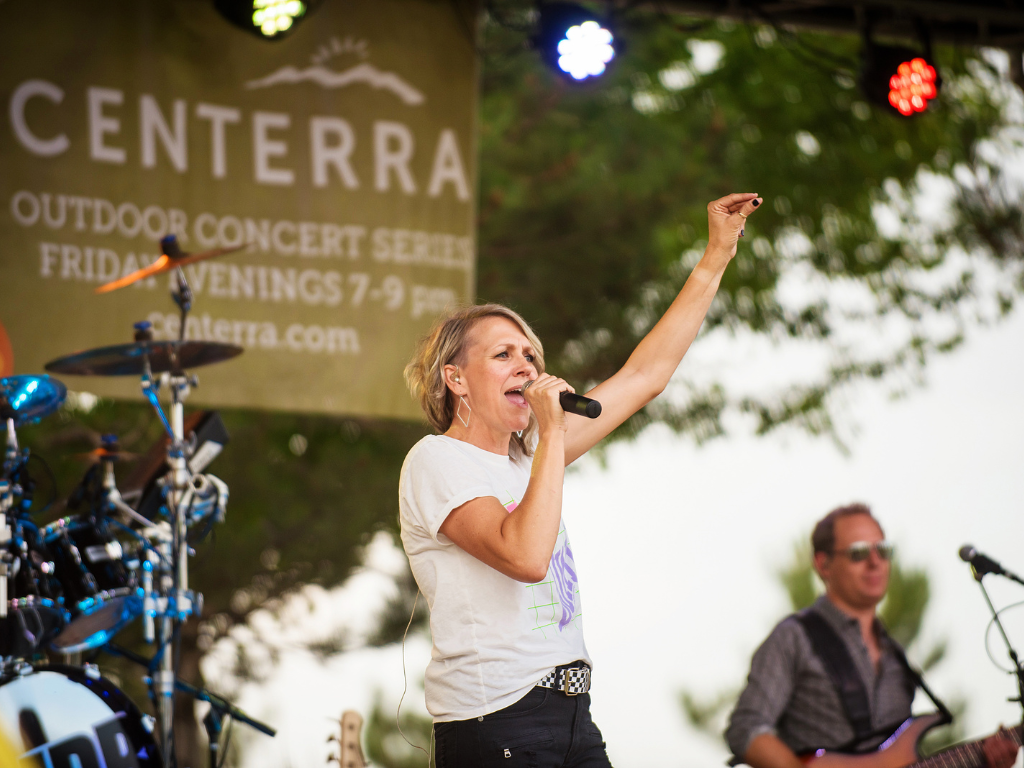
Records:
x=570, y=679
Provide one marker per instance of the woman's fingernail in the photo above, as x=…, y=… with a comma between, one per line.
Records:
x=742, y=231
x=757, y=203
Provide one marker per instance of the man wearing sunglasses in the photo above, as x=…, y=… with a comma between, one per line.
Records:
x=830, y=678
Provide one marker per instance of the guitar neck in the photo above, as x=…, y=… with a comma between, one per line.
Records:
x=967, y=755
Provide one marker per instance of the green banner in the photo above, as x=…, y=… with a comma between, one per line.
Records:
x=342, y=155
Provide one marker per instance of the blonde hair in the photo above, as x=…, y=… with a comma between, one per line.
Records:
x=445, y=344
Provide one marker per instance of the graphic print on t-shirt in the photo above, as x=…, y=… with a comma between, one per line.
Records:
x=556, y=599
x=563, y=568
x=511, y=504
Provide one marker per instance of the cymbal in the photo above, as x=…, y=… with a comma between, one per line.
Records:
x=129, y=359
x=165, y=264
x=29, y=398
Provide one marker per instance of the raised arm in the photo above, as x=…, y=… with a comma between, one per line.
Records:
x=648, y=370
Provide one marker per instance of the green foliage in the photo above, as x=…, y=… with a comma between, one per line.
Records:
x=405, y=612
x=799, y=579
x=904, y=605
x=386, y=747
x=608, y=181
x=705, y=715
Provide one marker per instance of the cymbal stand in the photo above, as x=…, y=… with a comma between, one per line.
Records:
x=1018, y=670
x=8, y=490
x=111, y=497
x=171, y=602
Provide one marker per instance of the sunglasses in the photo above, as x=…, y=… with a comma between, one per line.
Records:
x=860, y=551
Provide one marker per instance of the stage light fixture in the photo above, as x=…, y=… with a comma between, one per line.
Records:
x=913, y=86
x=269, y=19
x=274, y=16
x=575, y=41
x=899, y=78
x=585, y=50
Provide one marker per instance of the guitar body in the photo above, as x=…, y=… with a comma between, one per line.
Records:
x=898, y=751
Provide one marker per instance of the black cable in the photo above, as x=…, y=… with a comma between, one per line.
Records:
x=225, y=742
x=53, y=482
x=176, y=661
x=816, y=53
x=210, y=523
x=155, y=661
x=140, y=537
x=175, y=665
x=466, y=25
x=671, y=19
x=491, y=9
x=840, y=61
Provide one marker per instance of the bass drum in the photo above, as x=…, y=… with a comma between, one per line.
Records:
x=70, y=717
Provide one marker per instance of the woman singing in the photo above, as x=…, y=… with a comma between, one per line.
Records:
x=481, y=514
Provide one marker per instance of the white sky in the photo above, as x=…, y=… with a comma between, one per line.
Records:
x=677, y=547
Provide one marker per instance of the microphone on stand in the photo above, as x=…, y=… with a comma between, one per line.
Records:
x=983, y=564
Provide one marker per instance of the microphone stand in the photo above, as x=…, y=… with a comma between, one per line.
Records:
x=1018, y=669
x=219, y=707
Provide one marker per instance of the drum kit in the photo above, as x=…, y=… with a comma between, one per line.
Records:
x=70, y=586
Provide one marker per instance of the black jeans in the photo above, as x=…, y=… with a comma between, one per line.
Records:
x=544, y=729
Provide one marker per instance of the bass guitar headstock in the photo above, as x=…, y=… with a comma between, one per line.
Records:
x=350, y=752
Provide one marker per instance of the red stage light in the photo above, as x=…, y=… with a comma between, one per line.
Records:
x=913, y=86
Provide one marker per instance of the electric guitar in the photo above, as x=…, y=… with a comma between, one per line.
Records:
x=350, y=753
x=901, y=750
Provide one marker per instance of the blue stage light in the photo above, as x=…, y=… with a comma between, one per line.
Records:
x=585, y=50
x=574, y=40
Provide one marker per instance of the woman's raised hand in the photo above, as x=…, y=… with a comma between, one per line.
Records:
x=542, y=395
x=727, y=217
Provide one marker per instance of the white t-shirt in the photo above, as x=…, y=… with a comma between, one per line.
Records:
x=494, y=637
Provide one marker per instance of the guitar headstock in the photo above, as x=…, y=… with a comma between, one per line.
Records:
x=350, y=754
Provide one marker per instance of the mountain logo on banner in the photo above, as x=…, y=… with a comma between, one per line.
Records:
x=361, y=73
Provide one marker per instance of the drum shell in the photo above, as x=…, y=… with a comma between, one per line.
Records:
x=100, y=595
x=87, y=559
x=35, y=615
x=29, y=626
x=58, y=711
x=32, y=567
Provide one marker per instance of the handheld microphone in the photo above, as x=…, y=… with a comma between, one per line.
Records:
x=580, y=405
x=983, y=564
x=573, y=403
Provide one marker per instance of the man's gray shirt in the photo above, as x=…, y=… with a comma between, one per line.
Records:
x=790, y=695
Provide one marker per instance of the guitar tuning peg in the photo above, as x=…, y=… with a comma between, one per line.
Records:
x=333, y=759
x=332, y=737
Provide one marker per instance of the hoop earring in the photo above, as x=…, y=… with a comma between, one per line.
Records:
x=458, y=411
x=519, y=433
